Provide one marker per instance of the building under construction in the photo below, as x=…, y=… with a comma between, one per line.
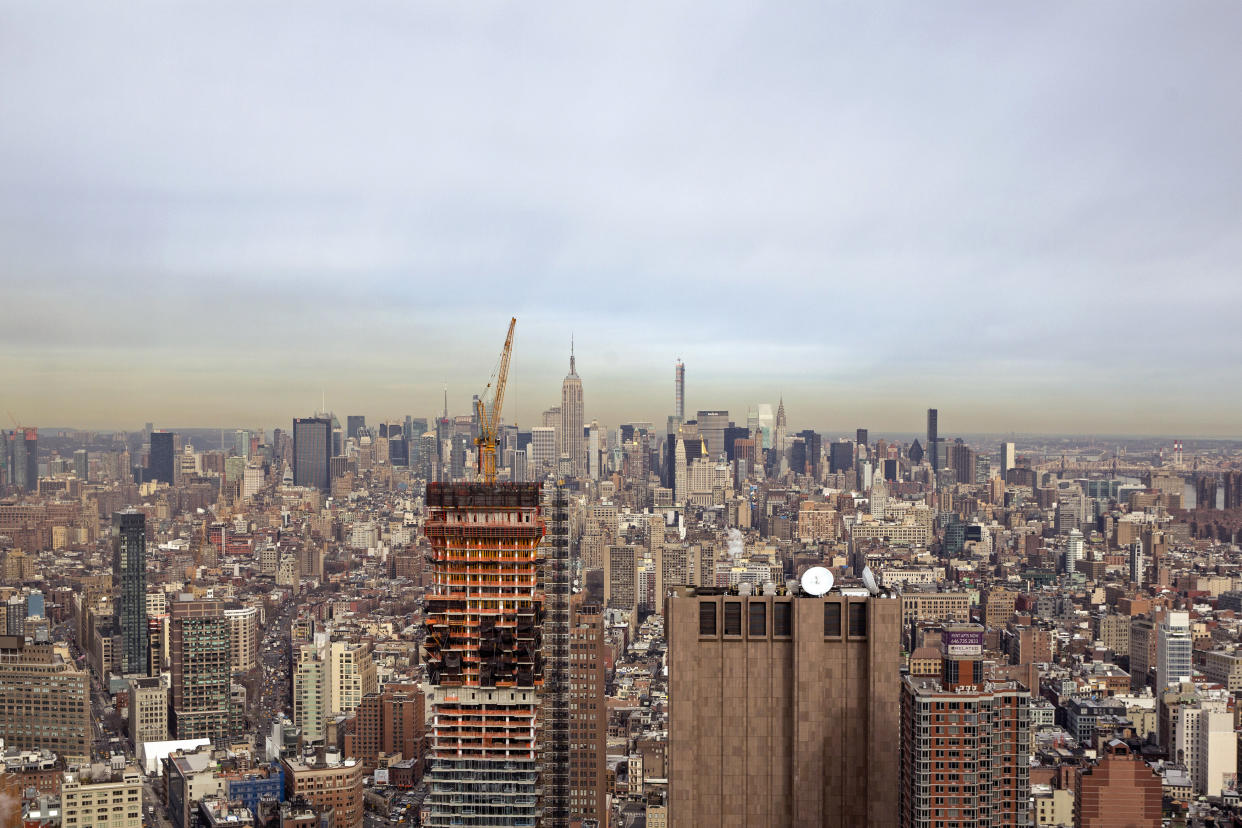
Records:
x=483, y=653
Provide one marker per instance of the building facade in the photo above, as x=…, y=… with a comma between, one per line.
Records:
x=129, y=578
x=388, y=727
x=243, y=637
x=965, y=743
x=201, y=666
x=148, y=710
x=782, y=710
x=312, y=452
x=588, y=717
x=483, y=653
x=328, y=785
x=571, y=433
x=45, y=702
x=160, y=463
x=101, y=798
x=1120, y=791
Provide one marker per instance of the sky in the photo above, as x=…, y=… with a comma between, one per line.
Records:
x=1026, y=215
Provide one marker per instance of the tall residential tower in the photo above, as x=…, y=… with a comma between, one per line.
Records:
x=484, y=653
x=679, y=393
x=200, y=645
x=129, y=577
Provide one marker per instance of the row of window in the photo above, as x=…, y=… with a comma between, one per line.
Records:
x=782, y=621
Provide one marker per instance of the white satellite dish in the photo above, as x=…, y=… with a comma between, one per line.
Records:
x=817, y=581
x=869, y=581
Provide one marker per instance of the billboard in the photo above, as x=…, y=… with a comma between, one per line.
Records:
x=963, y=643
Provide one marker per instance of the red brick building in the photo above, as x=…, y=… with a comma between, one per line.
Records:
x=388, y=727
x=965, y=743
x=1121, y=791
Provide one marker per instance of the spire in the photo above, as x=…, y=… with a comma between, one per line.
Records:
x=446, y=401
x=572, y=369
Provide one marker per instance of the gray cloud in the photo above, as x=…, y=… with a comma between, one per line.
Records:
x=868, y=209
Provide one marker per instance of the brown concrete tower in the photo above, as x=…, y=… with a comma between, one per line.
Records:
x=783, y=710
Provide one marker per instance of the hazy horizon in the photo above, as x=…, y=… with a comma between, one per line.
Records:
x=1023, y=216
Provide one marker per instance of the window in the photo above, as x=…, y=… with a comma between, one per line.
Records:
x=781, y=620
x=758, y=618
x=858, y=620
x=733, y=618
x=832, y=618
x=707, y=618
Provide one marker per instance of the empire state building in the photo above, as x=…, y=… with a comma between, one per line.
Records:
x=571, y=439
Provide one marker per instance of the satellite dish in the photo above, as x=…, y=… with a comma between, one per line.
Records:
x=817, y=581
x=869, y=581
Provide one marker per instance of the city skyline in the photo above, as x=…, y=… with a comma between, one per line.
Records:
x=1033, y=231
x=620, y=415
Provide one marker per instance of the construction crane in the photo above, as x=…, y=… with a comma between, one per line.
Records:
x=489, y=416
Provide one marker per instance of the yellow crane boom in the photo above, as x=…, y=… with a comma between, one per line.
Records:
x=489, y=420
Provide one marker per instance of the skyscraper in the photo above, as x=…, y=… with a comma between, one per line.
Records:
x=312, y=452
x=782, y=709
x=588, y=722
x=200, y=640
x=965, y=743
x=840, y=456
x=1073, y=551
x=594, y=447
x=129, y=578
x=354, y=422
x=780, y=429
x=1138, y=564
x=861, y=437
x=1173, y=651
x=160, y=465
x=542, y=454
x=963, y=461
x=310, y=684
x=22, y=458
x=570, y=434
x=814, y=450
x=483, y=649
x=712, y=425
x=555, y=713
x=933, y=438
x=1008, y=458
x=679, y=392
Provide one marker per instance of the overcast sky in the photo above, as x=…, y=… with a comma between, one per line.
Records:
x=1026, y=214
